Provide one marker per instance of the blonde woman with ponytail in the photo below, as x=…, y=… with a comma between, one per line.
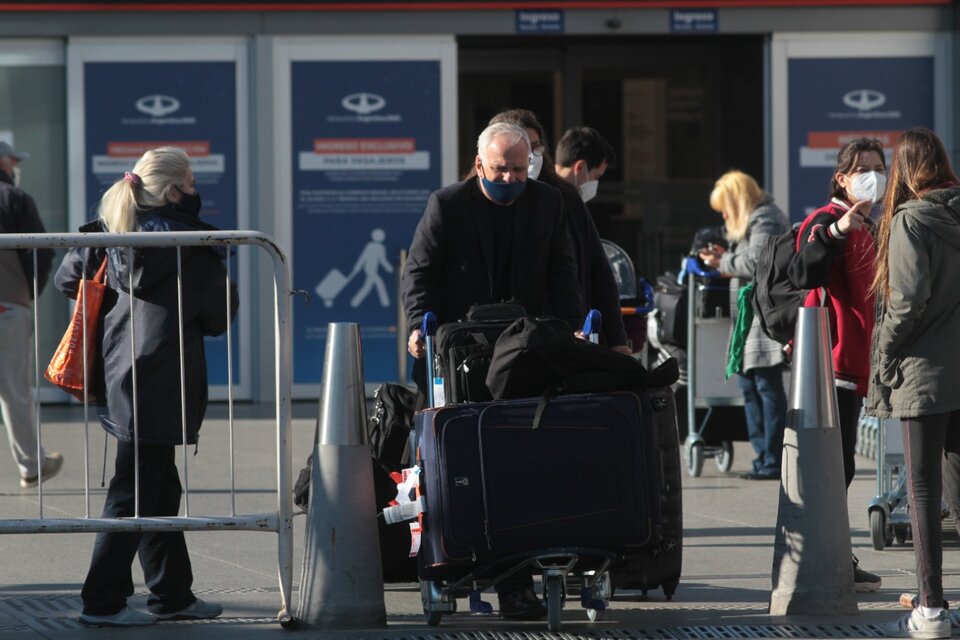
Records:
x=159, y=194
x=916, y=354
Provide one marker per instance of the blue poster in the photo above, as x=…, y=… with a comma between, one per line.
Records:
x=131, y=107
x=366, y=156
x=834, y=100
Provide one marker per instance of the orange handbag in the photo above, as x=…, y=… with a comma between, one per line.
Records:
x=66, y=368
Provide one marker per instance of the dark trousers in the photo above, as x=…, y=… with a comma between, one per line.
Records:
x=931, y=443
x=849, y=404
x=765, y=408
x=163, y=556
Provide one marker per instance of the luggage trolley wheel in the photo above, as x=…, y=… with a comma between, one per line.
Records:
x=603, y=591
x=428, y=598
x=553, y=588
x=724, y=457
x=902, y=533
x=695, y=456
x=878, y=529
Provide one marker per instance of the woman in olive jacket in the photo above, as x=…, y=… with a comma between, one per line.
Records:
x=916, y=349
x=147, y=420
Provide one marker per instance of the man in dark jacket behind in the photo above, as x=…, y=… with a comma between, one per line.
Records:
x=583, y=156
x=18, y=214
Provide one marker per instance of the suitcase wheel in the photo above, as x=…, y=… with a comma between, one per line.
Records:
x=553, y=588
x=669, y=590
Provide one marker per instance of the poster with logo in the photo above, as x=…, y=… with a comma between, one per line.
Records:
x=828, y=89
x=366, y=150
x=835, y=100
x=132, y=106
x=366, y=156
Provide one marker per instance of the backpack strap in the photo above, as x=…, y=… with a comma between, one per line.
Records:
x=547, y=396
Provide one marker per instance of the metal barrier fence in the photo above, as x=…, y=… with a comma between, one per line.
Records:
x=279, y=521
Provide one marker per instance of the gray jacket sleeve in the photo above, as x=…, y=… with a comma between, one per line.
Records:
x=765, y=221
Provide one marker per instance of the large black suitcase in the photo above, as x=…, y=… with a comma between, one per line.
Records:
x=661, y=564
x=493, y=486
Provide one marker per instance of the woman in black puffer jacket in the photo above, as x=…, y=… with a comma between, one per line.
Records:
x=158, y=195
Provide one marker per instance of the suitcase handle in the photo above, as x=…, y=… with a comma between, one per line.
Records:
x=428, y=327
x=692, y=265
x=591, y=326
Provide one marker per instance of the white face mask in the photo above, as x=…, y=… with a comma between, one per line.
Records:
x=16, y=176
x=536, y=163
x=868, y=185
x=589, y=189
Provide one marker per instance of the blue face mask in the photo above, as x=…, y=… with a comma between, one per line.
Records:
x=503, y=192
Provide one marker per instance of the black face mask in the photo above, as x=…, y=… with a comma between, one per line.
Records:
x=190, y=203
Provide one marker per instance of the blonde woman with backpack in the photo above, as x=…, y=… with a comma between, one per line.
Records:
x=751, y=218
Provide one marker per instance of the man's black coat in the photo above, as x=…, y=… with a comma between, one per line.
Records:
x=450, y=265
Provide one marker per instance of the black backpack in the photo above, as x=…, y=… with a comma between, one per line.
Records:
x=388, y=429
x=389, y=425
x=775, y=298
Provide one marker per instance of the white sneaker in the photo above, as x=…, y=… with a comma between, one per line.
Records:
x=52, y=463
x=197, y=610
x=126, y=617
x=916, y=625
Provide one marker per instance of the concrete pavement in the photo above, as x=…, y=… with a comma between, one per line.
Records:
x=728, y=552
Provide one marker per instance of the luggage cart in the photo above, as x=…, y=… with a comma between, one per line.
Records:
x=707, y=339
x=636, y=299
x=888, y=511
x=568, y=569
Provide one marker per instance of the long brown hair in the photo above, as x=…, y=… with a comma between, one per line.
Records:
x=920, y=164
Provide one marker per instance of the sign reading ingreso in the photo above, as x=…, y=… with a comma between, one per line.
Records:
x=542, y=21
x=693, y=20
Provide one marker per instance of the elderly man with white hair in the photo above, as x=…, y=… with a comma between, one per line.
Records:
x=492, y=237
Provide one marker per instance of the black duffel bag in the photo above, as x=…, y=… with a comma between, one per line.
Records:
x=541, y=357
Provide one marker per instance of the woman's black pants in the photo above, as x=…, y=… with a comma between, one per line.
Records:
x=931, y=445
x=163, y=556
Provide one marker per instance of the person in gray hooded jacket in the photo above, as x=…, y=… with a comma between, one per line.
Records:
x=916, y=351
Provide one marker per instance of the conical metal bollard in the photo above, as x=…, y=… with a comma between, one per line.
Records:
x=341, y=586
x=812, y=559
